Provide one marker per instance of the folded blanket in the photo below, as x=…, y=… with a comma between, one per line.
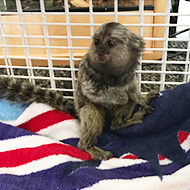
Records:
x=38, y=149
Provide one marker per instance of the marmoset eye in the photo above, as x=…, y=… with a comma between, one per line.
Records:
x=97, y=42
x=110, y=43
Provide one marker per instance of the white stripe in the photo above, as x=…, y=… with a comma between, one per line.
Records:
x=38, y=165
x=25, y=142
x=180, y=180
x=186, y=144
x=116, y=162
x=62, y=130
x=165, y=162
x=161, y=162
x=31, y=111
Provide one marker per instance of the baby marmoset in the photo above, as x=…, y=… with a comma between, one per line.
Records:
x=107, y=85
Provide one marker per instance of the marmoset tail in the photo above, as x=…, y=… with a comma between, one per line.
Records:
x=26, y=93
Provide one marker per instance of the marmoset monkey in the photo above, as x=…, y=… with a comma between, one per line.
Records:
x=107, y=85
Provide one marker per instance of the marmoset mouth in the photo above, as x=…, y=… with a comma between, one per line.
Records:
x=102, y=58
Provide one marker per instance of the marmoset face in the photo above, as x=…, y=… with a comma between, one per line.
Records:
x=114, y=47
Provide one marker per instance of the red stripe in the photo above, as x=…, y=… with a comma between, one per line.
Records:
x=130, y=156
x=44, y=120
x=182, y=136
x=160, y=157
x=22, y=156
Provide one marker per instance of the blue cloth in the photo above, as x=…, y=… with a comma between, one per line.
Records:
x=10, y=111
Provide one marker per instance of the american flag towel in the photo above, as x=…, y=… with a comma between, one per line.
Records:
x=38, y=149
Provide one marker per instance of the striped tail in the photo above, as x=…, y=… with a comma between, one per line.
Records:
x=27, y=93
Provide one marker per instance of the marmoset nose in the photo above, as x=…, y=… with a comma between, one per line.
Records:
x=102, y=50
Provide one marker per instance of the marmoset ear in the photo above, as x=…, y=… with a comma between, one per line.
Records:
x=136, y=42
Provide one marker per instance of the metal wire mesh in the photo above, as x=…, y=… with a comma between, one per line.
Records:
x=45, y=47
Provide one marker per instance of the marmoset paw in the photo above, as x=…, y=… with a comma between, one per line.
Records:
x=153, y=94
x=102, y=156
x=99, y=154
x=118, y=126
x=149, y=108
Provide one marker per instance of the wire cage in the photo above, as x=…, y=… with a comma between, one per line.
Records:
x=43, y=41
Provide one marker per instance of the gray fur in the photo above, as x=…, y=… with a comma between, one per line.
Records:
x=107, y=85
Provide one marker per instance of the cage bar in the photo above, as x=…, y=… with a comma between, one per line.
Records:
x=62, y=43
